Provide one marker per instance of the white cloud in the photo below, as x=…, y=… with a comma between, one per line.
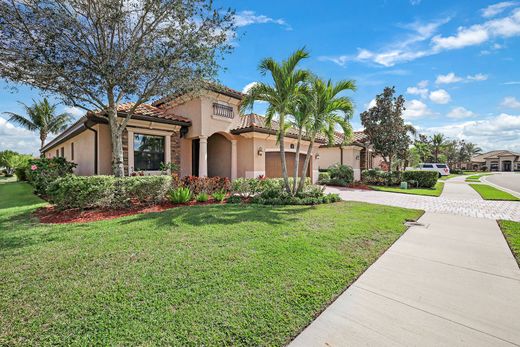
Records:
x=510, y=102
x=415, y=2
x=371, y=104
x=449, y=78
x=511, y=82
x=17, y=139
x=421, y=40
x=245, y=18
x=423, y=84
x=248, y=86
x=74, y=111
x=493, y=10
x=416, y=109
x=440, y=96
x=477, y=77
x=500, y=132
x=460, y=112
x=423, y=92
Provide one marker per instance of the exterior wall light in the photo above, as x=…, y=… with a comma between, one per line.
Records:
x=317, y=156
x=357, y=157
x=260, y=152
x=292, y=145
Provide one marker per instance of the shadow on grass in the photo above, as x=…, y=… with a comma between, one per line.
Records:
x=221, y=215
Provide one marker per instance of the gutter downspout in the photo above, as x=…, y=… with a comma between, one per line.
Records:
x=95, y=147
x=341, y=154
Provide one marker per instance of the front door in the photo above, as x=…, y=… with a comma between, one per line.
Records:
x=506, y=166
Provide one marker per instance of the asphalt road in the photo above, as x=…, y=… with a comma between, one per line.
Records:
x=506, y=180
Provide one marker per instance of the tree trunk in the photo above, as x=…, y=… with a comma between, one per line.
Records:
x=297, y=161
x=282, y=154
x=116, y=134
x=308, y=157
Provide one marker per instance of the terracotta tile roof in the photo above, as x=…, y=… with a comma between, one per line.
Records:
x=256, y=122
x=146, y=110
x=214, y=87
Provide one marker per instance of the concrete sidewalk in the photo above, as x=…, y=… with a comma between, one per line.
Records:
x=452, y=281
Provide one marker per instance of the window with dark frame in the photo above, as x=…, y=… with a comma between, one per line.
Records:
x=148, y=152
x=57, y=153
x=62, y=152
x=72, y=151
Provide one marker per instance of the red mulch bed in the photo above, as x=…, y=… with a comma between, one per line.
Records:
x=50, y=215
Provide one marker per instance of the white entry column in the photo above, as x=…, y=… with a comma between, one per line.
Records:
x=233, y=159
x=203, y=156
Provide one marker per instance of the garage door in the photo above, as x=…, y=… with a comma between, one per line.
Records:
x=273, y=165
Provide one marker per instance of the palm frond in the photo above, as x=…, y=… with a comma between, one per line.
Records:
x=21, y=121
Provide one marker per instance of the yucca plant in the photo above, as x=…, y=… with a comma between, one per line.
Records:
x=180, y=195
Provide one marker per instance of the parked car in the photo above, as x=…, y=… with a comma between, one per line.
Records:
x=442, y=169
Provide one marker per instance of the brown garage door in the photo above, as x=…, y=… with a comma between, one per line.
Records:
x=273, y=165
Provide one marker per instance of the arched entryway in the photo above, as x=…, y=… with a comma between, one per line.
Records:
x=219, y=156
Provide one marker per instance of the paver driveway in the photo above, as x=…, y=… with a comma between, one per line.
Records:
x=450, y=281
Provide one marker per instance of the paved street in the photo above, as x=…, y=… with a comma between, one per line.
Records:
x=451, y=280
x=507, y=180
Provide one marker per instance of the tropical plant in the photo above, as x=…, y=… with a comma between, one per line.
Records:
x=284, y=92
x=14, y=162
x=41, y=117
x=97, y=55
x=202, y=197
x=328, y=111
x=438, y=141
x=180, y=195
x=219, y=195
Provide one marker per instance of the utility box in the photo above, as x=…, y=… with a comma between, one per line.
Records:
x=404, y=185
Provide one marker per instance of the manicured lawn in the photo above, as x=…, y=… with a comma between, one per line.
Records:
x=476, y=178
x=511, y=232
x=491, y=193
x=415, y=191
x=444, y=178
x=203, y=275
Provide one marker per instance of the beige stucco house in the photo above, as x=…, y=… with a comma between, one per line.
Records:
x=501, y=160
x=205, y=135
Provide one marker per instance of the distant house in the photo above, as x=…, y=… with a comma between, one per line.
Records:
x=205, y=136
x=501, y=160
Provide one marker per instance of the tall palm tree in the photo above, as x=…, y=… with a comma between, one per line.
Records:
x=438, y=141
x=41, y=117
x=284, y=92
x=329, y=110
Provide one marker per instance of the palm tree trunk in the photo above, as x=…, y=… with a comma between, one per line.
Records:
x=282, y=154
x=308, y=157
x=297, y=161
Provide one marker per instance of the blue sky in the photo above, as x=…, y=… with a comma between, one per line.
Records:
x=455, y=62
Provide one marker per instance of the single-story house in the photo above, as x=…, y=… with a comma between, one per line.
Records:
x=204, y=135
x=500, y=160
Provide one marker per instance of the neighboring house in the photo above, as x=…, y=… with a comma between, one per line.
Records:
x=501, y=160
x=203, y=134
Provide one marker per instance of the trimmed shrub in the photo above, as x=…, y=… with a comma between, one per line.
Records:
x=341, y=175
x=202, y=197
x=380, y=177
x=310, y=195
x=456, y=171
x=323, y=177
x=42, y=172
x=180, y=195
x=206, y=184
x=424, y=179
x=234, y=199
x=21, y=173
x=146, y=189
x=83, y=192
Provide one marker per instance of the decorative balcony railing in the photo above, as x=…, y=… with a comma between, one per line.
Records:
x=223, y=111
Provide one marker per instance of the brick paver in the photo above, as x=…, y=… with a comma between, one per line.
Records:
x=458, y=198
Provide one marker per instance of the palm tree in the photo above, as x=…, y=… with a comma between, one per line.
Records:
x=438, y=141
x=41, y=117
x=329, y=110
x=283, y=93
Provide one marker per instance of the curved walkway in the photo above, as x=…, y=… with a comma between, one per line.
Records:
x=449, y=281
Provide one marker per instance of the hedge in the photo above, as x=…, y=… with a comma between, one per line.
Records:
x=422, y=179
x=107, y=191
x=380, y=177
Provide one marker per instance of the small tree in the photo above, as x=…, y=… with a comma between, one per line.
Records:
x=438, y=142
x=41, y=116
x=385, y=128
x=98, y=54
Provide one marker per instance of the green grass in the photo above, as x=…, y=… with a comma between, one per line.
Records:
x=202, y=275
x=444, y=178
x=511, y=232
x=437, y=191
x=488, y=192
x=476, y=178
